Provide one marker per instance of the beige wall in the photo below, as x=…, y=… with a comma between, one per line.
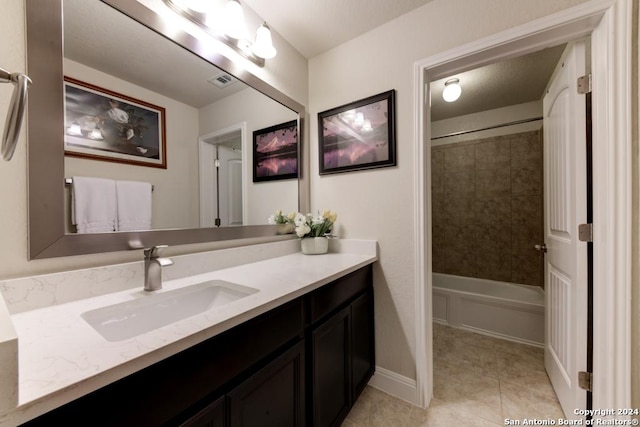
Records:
x=287, y=72
x=379, y=204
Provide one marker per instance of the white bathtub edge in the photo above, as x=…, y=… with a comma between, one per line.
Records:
x=519, y=318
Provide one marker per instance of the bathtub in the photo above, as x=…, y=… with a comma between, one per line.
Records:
x=500, y=309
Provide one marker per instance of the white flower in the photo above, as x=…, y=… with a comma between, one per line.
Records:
x=302, y=230
x=299, y=219
x=317, y=219
x=272, y=219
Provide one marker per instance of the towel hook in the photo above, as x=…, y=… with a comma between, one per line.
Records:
x=15, y=114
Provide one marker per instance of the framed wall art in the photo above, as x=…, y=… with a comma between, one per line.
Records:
x=104, y=125
x=359, y=135
x=275, y=152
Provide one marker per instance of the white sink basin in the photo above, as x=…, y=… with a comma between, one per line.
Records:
x=153, y=310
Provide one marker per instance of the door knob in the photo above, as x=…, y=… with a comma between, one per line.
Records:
x=542, y=247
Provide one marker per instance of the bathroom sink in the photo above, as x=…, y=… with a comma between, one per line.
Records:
x=153, y=310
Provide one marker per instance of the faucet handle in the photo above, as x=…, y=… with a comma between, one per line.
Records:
x=154, y=251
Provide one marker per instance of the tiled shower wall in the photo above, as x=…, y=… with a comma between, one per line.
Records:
x=487, y=208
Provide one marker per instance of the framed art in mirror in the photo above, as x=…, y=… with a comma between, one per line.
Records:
x=102, y=124
x=275, y=152
x=359, y=135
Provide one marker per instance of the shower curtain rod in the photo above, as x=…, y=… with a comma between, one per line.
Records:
x=464, y=132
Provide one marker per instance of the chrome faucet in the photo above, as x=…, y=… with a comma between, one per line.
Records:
x=153, y=267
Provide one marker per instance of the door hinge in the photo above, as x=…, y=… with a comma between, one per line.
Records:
x=585, y=232
x=585, y=380
x=584, y=84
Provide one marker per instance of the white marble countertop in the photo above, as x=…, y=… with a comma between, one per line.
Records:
x=61, y=357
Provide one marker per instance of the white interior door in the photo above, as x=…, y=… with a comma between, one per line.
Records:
x=565, y=207
x=230, y=186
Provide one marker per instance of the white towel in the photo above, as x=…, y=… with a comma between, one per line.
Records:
x=134, y=205
x=93, y=207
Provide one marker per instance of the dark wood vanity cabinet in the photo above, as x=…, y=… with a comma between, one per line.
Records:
x=303, y=363
x=272, y=397
x=342, y=349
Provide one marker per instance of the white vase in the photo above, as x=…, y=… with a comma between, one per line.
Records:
x=314, y=245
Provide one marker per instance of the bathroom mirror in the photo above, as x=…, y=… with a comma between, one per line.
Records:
x=48, y=167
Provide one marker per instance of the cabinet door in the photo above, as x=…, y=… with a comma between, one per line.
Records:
x=330, y=370
x=273, y=396
x=211, y=416
x=362, y=342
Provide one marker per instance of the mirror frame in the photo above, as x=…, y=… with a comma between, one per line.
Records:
x=45, y=152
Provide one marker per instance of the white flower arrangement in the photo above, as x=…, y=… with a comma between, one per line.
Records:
x=279, y=218
x=315, y=225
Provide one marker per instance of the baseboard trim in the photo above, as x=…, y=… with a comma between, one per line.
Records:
x=395, y=384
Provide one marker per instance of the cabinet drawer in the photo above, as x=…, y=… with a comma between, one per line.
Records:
x=329, y=298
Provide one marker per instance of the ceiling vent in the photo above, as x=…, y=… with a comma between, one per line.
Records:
x=222, y=80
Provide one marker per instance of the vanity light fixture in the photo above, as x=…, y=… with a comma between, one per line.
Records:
x=234, y=31
x=74, y=129
x=452, y=90
x=263, y=46
x=96, y=134
x=234, y=20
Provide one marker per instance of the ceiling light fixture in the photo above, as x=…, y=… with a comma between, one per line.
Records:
x=452, y=90
x=233, y=33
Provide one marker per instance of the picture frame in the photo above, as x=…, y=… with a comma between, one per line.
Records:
x=101, y=124
x=358, y=136
x=275, y=152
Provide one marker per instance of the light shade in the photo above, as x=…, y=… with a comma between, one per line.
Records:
x=234, y=20
x=263, y=46
x=74, y=129
x=452, y=90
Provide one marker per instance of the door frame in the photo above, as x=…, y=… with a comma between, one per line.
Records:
x=608, y=22
x=205, y=152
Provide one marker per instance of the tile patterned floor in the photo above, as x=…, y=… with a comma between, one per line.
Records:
x=478, y=381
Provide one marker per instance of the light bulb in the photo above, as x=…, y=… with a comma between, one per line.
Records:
x=359, y=120
x=74, y=129
x=234, y=20
x=452, y=90
x=96, y=134
x=263, y=47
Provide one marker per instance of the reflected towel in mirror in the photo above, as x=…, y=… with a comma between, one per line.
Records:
x=93, y=204
x=133, y=200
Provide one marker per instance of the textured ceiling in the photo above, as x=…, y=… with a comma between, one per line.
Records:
x=511, y=82
x=316, y=26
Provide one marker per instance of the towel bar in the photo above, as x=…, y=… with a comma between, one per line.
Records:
x=69, y=181
x=15, y=114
